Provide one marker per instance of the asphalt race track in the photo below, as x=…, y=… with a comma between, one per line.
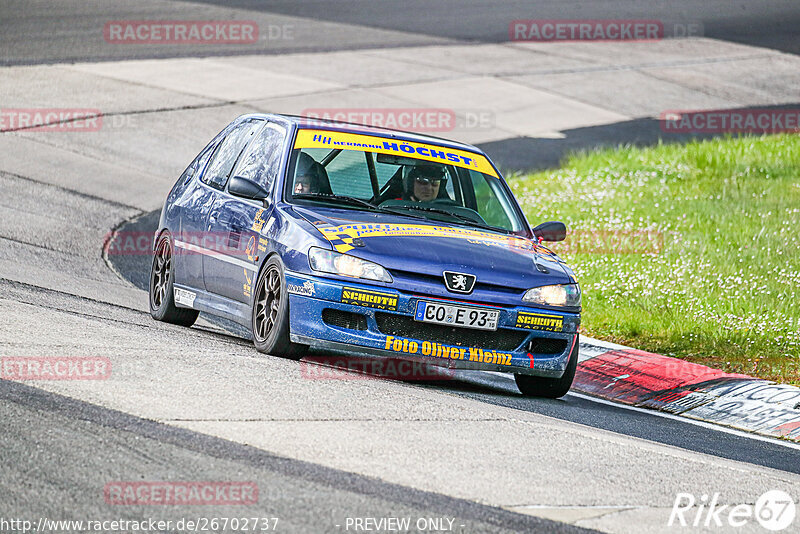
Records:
x=201, y=404
x=500, y=390
x=40, y=31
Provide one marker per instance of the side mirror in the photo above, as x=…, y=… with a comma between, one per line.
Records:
x=246, y=188
x=551, y=231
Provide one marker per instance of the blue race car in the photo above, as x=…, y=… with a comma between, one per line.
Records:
x=355, y=238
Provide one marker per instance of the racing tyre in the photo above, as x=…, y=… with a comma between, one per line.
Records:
x=550, y=388
x=162, y=295
x=270, y=317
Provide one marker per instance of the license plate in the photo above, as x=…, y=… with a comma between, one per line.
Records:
x=453, y=315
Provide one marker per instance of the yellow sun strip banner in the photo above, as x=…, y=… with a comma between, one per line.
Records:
x=397, y=147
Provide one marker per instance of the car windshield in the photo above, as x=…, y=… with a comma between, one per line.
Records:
x=361, y=179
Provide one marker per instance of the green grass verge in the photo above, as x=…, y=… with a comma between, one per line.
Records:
x=690, y=251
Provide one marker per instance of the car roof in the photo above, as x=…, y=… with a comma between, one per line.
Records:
x=311, y=123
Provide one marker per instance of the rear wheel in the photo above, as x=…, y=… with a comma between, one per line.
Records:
x=162, y=297
x=550, y=388
x=270, y=317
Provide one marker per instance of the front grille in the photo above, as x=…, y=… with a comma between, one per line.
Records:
x=438, y=280
x=344, y=319
x=547, y=345
x=405, y=326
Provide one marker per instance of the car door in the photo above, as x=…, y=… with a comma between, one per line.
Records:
x=212, y=182
x=186, y=216
x=191, y=239
x=246, y=223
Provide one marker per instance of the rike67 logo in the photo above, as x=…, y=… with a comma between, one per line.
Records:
x=775, y=510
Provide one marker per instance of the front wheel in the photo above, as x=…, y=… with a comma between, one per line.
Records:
x=270, y=317
x=162, y=297
x=550, y=388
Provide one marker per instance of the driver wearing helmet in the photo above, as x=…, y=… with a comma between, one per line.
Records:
x=423, y=183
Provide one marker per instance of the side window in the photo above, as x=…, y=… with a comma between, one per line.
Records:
x=488, y=205
x=349, y=175
x=262, y=160
x=451, y=177
x=198, y=164
x=226, y=154
x=385, y=171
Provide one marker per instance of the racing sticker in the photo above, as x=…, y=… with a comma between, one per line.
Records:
x=247, y=286
x=369, y=143
x=307, y=289
x=258, y=221
x=342, y=237
x=259, y=225
x=439, y=350
x=371, y=299
x=540, y=321
x=250, y=249
x=184, y=297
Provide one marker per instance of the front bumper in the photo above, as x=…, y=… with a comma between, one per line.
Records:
x=337, y=315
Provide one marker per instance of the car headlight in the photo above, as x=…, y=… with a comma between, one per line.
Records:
x=328, y=261
x=557, y=295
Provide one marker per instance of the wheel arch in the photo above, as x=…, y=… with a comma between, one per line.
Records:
x=159, y=234
x=260, y=270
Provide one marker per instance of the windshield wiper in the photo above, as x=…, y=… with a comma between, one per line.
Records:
x=336, y=198
x=353, y=201
x=457, y=216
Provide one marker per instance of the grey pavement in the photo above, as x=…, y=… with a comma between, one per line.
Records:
x=41, y=31
x=81, y=448
x=398, y=433
x=65, y=191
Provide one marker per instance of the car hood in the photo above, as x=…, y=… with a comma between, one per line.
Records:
x=427, y=247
